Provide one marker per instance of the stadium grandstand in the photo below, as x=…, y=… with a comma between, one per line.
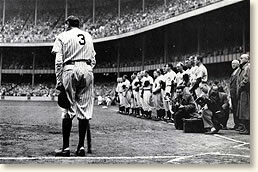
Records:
x=129, y=35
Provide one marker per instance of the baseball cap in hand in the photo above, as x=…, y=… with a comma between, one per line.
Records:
x=63, y=101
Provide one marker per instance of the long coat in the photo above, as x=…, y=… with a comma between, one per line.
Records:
x=243, y=92
x=233, y=88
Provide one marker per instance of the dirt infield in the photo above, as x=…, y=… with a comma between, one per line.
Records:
x=31, y=131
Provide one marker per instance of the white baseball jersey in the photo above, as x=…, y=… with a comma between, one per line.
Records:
x=148, y=78
x=156, y=84
x=201, y=72
x=133, y=83
x=76, y=45
x=169, y=77
x=192, y=74
x=73, y=45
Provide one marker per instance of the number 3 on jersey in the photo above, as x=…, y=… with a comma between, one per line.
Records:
x=82, y=41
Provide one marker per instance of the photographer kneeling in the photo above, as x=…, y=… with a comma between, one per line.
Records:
x=183, y=106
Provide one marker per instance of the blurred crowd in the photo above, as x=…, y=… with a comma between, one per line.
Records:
x=102, y=91
x=183, y=95
x=22, y=27
x=42, y=90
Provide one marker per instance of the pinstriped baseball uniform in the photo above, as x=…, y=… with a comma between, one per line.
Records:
x=157, y=97
x=75, y=46
x=136, y=93
x=168, y=77
x=126, y=95
x=147, y=94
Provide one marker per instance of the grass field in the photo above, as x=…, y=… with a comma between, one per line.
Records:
x=31, y=131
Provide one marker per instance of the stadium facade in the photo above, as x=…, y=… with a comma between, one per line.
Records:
x=219, y=31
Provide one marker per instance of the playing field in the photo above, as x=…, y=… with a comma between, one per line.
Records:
x=31, y=131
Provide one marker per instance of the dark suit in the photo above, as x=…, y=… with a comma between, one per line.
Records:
x=233, y=94
x=219, y=106
x=186, y=112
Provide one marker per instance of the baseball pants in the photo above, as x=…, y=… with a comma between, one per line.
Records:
x=78, y=83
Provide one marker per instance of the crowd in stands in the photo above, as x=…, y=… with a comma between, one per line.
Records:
x=12, y=62
x=22, y=28
x=104, y=93
x=42, y=90
x=101, y=90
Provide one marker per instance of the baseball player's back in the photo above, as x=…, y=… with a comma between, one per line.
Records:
x=75, y=58
x=76, y=45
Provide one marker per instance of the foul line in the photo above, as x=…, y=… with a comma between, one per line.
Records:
x=88, y=158
x=230, y=139
x=240, y=145
x=203, y=154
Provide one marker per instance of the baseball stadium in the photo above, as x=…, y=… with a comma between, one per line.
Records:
x=129, y=37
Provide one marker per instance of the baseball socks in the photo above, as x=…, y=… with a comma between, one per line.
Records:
x=66, y=129
x=84, y=126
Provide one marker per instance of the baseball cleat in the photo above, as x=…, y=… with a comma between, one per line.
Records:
x=80, y=152
x=63, y=152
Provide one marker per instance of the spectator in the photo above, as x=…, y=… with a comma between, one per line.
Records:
x=233, y=93
x=243, y=94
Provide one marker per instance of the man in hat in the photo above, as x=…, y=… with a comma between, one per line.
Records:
x=75, y=59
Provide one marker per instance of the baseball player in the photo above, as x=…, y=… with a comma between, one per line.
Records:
x=200, y=75
x=119, y=91
x=140, y=88
x=157, y=93
x=192, y=72
x=147, y=94
x=169, y=79
x=126, y=94
x=179, y=75
x=135, y=92
x=75, y=59
x=187, y=75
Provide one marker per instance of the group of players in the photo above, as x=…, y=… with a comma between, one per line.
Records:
x=145, y=94
x=175, y=96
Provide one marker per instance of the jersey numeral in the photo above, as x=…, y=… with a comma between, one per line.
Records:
x=82, y=41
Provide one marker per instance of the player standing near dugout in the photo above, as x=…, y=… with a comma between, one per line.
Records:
x=75, y=59
x=169, y=79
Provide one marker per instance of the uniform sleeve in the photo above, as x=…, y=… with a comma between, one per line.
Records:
x=93, y=53
x=57, y=47
x=58, y=51
x=59, y=68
